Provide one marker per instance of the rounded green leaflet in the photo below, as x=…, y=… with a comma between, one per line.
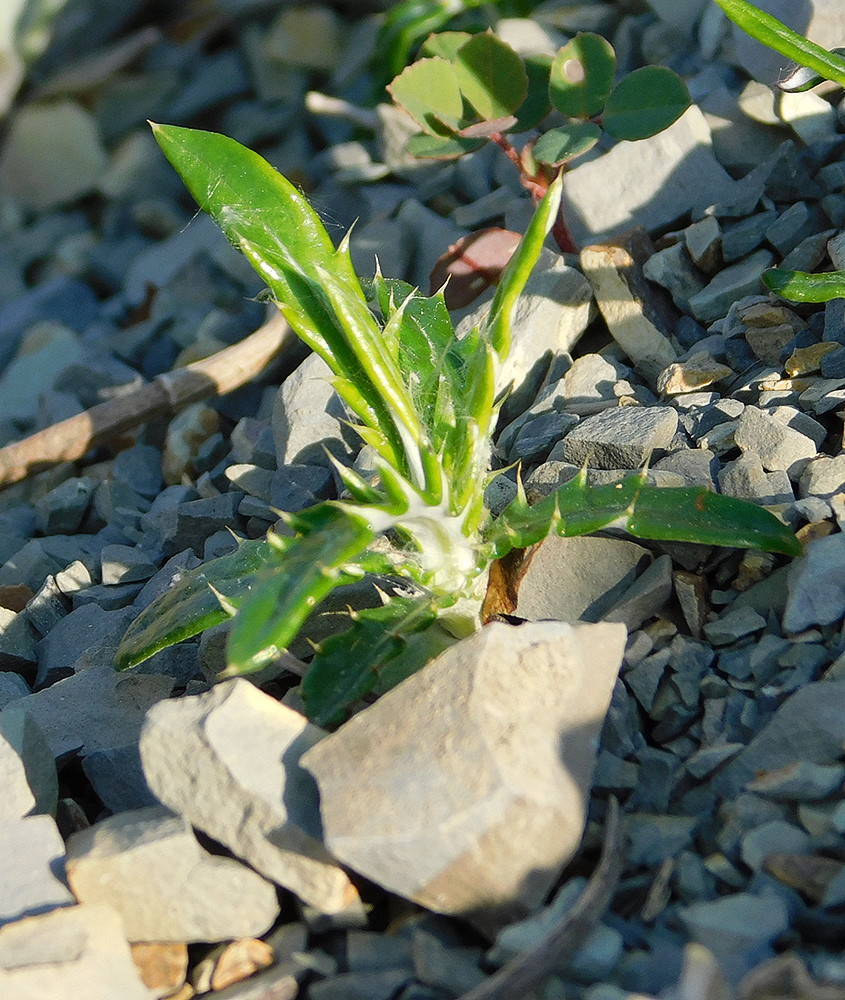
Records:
x=582, y=75
x=428, y=90
x=536, y=105
x=441, y=147
x=644, y=103
x=491, y=76
x=561, y=144
x=444, y=44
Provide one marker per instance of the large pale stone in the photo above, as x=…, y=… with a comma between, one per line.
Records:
x=650, y=183
x=76, y=953
x=465, y=787
x=31, y=867
x=148, y=865
x=228, y=761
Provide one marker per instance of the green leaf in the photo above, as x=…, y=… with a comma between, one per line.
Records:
x=644, y=103
x=683, y=514
x=491, y=76
x=348, y=664
x=445, y=44
x=560, y=145
x=774, y=33
x=428, y=90
x=582, y=75
x=802, y=78
x=281, y=598
x=800, y=286
x=536, y=105
x=191, y=605
x=441, y=147
x=497, y=326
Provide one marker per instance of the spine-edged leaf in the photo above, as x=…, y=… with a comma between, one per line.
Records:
x=350, y=664
x=280, y=599
x=644, y=103
x=192, y=603
x=682, y=514
x=559, y=145
x=246, y=197
x=801, y=286
x=428, y=90
x=581, y=75
x=491, y=76
x=802, y=78
x=497, y=326
x=774, y=33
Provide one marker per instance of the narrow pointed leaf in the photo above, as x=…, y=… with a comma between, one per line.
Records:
x=348, y=665
x=559, y=145
x=497, y=326
x=774, y=33
x=800, y=286
x=682, y=514
x=581, y=75
x=802, y=78
x=491, y=76
x=280, y=600
x=644, y=103
x=191, y=606
x=428, y=90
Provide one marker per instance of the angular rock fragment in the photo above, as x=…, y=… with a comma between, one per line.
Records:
x=228, y=761
x=148, y=866
x=621, y=438
x=509, y=718
x=31, y=860
x=78, y=953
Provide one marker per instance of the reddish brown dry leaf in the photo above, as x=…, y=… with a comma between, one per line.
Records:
x=473, y=264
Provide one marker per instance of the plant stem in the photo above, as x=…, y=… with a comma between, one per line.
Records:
x=537, y=184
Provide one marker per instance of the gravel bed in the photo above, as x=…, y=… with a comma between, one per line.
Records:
x=175, y=810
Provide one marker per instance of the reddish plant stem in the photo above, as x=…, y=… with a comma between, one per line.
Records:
x=537, y=184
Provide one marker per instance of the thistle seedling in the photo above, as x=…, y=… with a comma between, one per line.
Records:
x=815, y=65
x=466, y=90
x=424, y=401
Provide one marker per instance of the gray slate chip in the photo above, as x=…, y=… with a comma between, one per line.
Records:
x=621, y=438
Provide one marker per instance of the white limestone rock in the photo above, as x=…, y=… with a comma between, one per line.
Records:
x=148, y=865
x=465, y=787
x=76, y=953
x=228, y=762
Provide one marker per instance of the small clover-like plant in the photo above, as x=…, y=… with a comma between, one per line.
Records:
x=466, y=90
x=815, y=64
x=425, y=401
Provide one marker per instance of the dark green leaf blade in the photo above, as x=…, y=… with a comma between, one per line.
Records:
x=315, y=562
x=191, y=605
x=348, y=665
x=774, y=33
x=559, y=145
x=582, y=75
x=801, y=286
x=644, y=103
x=536, y=105
x=428, y=90
x=682, y=514
x=491, y=76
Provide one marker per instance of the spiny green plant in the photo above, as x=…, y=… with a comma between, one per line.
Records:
x=425, y=401
x=466, y=90
x=815, y=64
